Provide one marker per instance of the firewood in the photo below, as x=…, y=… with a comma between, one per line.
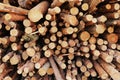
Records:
x=13, y=17
x=72, y=20
x=40, y=63
x=55, y=69
x=59, y=39
x=12, y=9
x=43, y=70
x=100, y=71
x=110, y=70
x=38, y=10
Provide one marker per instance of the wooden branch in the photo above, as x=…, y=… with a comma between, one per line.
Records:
x=100, y=70
x=110, y=70
x=60, y=63
x=7, y=56
x=55, y=69
x=12, y=9
x=2, y=67
x=14, y=17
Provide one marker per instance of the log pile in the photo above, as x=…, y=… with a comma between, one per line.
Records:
x=59, y=40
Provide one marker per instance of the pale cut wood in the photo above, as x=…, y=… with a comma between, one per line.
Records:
x=24, y=55
x=106, y=57
x=110, y=7
x=55, y=69
x=28, y=67
x=30, y=74
x=93, y=73
x=27, y=23
x=84, y=36
x=115, y=75
x=60, y=63
x=53, y=29
x=12, y=9
x=7, y=56
x=100, y=70
x=49, y=17
x=116, y=55
x=15, y=46
x=53, y=23
x=112, y=38
x=87, y=73
x=118, y=46
x=110, y=29
x=67, y=31
x=118, y=66
x=15, y=59
x=92, y=46
x=7, y=78
x=92, y=40
x=14, y=32
x=30, y=51
x=6, y=1
x=96, y=52
x=13, y=17
x=24, y=74
x=83, y=68
x=92, y=22
x=64, y=44
x=100, y=41
x=71, y=19
x=74, y=71
x=88, y=63
x=74, y=10
x=36, y=57
x=42, y=30
x=50, y=71
x=51, y=45
x=21, y=68
x=85, y=6
x=93, y=5
x=114, y=15
x=71, y=43
x=2, y=67
x=43, y=70
x=57, y=3
x=37, y=12
x=71, y=50
x=71, y=56
x=4, y=73
x=55, y=10
x=53, y=38
x=48, y=53
x=112, y=46
x=84, y=78
x=78, y=62
x=98, y=28
x=68, y=75
x=88, y=17
x=84, y=49
x=47, y=41
x=7, y=27
x=102, y=18
x=40, y=63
